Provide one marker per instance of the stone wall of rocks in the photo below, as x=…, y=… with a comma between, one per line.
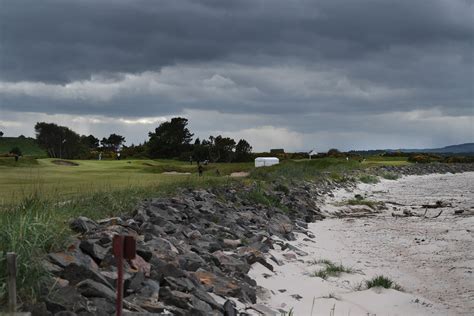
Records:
x=194, y=250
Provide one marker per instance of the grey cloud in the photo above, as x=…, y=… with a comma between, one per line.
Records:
x=307, y=67
x=61, y=41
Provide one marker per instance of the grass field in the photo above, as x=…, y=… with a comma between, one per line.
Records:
x=28, y=146
x=46, y=179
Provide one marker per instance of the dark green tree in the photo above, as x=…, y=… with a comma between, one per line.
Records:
x=170, y=139
x=201, y=150
x=113, y=142
x=90, y=141
x=59, y=141
x=221, y=148
x=243, y=151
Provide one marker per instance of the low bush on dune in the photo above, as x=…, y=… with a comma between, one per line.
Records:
x=390, y=176
x=368, y=178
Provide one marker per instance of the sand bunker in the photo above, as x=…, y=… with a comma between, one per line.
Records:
x=176, y=173
x=65, y=163
x=239, y=174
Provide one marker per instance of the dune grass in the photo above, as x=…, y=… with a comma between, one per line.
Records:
x=330, y=269
x=305, y=170
x=382, y=281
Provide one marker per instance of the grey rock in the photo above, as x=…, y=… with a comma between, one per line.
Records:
x=93, y=249
x=90, y=288
x=82, y=225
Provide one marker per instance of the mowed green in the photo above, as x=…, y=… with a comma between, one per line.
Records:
x=46, y=178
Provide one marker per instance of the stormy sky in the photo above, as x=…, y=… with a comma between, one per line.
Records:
x=291, y=74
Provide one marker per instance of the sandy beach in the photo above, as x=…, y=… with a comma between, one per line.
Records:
x=431, y=258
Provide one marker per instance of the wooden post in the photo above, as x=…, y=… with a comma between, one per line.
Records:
x=11, y=279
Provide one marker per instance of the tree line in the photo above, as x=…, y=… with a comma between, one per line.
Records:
x=170, y=140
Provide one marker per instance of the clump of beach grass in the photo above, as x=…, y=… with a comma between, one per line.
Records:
x=331, y=269
x=382, y=281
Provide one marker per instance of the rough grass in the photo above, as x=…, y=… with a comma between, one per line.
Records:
x=382, y=281
x=10, y=162
x=304, y=170
x=330, y=269
x=257, y=195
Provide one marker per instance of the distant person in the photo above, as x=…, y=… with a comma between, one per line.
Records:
x=17, y=157
x=206, y=162
x=191, y=160
x=118, y=156
x=200, y=170
x=100, y=156
x=347, y=158
x=218, y=173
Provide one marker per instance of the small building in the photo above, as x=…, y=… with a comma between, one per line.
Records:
x=266, y=161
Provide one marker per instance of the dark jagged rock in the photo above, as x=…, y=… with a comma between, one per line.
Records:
x=90, y=288
x=93, y=249
x=83, y=225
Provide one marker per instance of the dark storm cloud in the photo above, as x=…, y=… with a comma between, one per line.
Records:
x=61, y=41
x=299, y=69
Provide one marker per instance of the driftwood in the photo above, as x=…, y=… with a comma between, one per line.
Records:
x=408, y=213
x=438, y=204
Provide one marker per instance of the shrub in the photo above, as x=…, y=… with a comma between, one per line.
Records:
x=368, y=178
x=16, y=151
x=382, y=281
x=282, y=188
x=390, y=176
x=424, y=158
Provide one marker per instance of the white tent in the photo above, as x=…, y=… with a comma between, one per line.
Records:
x=266, y=161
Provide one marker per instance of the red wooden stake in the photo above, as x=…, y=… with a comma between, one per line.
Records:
x=118, y=253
